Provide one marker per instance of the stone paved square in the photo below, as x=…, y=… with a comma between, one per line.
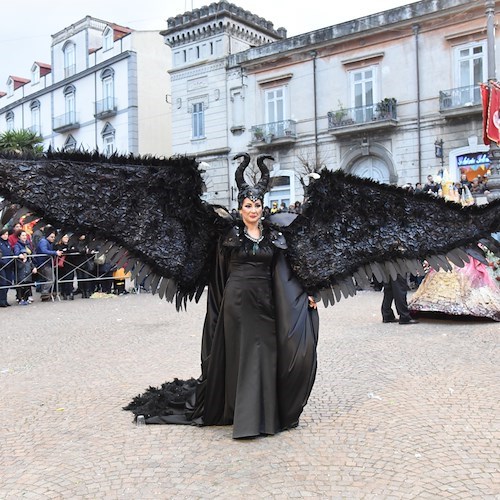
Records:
x=397, y=412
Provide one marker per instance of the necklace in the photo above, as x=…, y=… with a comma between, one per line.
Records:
x=255, y=241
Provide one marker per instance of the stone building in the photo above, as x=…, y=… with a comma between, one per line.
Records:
x=105, y=89
x=393, y=96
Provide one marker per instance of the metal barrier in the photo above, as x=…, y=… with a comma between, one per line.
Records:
x=88, y=271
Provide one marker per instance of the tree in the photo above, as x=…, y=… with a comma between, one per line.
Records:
x=20, y=141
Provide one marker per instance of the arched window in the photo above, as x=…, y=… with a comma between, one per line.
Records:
x=108, y=91
x=70, y=144
x=69, y=104
x=9, y=118
x=107, y=38
x=36, y=125
x=108, y=139
x=69, y=59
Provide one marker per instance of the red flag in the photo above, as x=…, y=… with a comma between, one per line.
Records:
x=493, y=125
x=485, y=99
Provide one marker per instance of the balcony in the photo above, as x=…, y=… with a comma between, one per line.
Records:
x=69, y=70
x=282, y=133
x=382, y=115
x=460, y=102
x=66, y=122
x=105, y=108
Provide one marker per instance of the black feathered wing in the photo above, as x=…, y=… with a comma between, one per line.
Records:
x=353, y=229
x=148, y=211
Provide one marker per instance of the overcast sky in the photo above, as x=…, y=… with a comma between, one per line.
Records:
x=26, y=26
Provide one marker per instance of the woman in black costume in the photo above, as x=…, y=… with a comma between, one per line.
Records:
x=259, y=339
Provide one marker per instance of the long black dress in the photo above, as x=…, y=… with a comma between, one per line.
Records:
x=258, y=348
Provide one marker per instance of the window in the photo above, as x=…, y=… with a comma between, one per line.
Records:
x=108, y=139
x=9, y=118
x=35, y=117
x=10, y=87
x=35, y=74
x=70, y=144
x=275, y=110
x=69, y=105
x=281, y=191
x=198, y=121
x=363, y=93
x=69, y=59
x=107, y=39
x=108, y=90
x=237, y=109
x=471, y=69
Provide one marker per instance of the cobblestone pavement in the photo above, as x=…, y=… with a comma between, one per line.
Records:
x=397, y=412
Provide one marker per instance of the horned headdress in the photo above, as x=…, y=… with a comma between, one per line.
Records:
x=245, y=190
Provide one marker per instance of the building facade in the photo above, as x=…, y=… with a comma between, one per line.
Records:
x=105, y=89
x=393, y=96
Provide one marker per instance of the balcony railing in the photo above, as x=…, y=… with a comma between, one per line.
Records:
x=68, y=121
x=461, y=97
x=269, y=132
x=384, y=111
x=69, y=70
x=105, y=107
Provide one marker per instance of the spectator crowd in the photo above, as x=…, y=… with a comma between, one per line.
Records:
x=54, y=265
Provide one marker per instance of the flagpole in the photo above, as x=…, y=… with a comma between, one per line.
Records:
x=494, y=152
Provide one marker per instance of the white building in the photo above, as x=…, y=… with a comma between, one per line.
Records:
x=374, y=96
x=105, y=89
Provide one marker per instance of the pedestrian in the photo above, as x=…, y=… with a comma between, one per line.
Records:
x=396, y=291
x=6, y=266
x=44, y=263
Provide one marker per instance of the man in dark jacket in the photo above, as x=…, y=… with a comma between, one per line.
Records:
x=44, y=263
x=396, y=290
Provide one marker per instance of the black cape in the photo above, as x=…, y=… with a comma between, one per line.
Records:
x=261, y=382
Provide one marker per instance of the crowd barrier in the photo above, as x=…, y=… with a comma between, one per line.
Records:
x=88, y=271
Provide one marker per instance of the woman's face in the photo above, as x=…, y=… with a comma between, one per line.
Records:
x=251, y=211
x=23, y=237
x=5, y=235
x=65, y=239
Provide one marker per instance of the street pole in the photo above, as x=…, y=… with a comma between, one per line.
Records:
x=494, y=152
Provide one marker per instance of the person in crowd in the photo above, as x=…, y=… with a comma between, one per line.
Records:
x=44, y=262
x=274, y=208
x=6, y=266
x=283, y=207
x=84, y=268
x=265, y=213
x=464, y=181
x=396, y=291
x=431, y=187
x=298, y=207
x=14, y=234
x=476, y=186
x=119, y=281
x=418, y=187
x=24, y=269
x=103, y=271
x=65, y=267
x=37, y=235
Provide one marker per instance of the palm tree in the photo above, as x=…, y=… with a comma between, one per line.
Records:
x=21, y=141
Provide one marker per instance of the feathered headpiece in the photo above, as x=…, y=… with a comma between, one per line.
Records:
x=258, y=191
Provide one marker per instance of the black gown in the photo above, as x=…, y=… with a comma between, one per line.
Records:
x=258, y=348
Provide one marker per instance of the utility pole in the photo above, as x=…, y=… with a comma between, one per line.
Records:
x=494, y=152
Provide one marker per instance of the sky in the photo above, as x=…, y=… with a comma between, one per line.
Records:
x=26, y=26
